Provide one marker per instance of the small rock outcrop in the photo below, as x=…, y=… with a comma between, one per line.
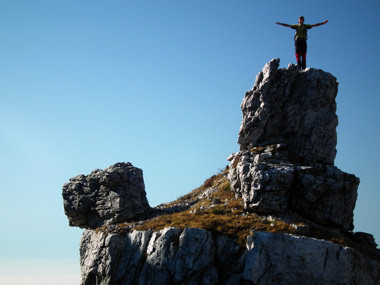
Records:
x=113, y=195
x=287, y=140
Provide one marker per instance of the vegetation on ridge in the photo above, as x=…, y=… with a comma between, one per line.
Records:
x=214, y=207
x=219, y=212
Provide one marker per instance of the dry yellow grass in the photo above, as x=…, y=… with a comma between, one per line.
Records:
x=228, y=217
x=221, y=212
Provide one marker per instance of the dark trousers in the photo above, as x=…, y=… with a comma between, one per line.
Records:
x=301, y=48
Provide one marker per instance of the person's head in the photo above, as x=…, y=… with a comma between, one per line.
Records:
x=301, y=20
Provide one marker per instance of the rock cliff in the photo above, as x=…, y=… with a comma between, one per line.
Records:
x=281, y=212
x=196, y=256
x=292, y=108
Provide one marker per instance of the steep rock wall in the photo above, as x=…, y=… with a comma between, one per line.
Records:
x=287, y=139
x=195, y=256
x=293, y=108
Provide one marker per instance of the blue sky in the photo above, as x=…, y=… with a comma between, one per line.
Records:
x=85, y=84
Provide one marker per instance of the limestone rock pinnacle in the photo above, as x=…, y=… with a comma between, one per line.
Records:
x=287, y=140
x=294, y=108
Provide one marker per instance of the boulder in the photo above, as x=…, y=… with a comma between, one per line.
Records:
x=113, y=195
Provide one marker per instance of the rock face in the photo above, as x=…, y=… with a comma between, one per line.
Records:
x=287, y=259
x=287, y=140
x=169, y=256
x=292, y=108
x=113, y=195
x=269, y=183
x=195, y=256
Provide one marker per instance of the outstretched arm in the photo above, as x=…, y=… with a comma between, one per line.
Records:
x=320, y=24
x=282, y=24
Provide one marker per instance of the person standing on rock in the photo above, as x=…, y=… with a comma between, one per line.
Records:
x=300, y=38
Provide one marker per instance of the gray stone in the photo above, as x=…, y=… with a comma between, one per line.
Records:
x=292, y=107
x=285, y=165
x=287, y=139
x=288, y=259
x=264, y=187
x=103, y=197
x=180, y=257
x=322, y=193
x=326, y=195
x=195, y=256
x=163, y=257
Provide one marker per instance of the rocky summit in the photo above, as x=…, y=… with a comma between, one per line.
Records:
x=292, y=108
x=287, y=140
x=281, y=212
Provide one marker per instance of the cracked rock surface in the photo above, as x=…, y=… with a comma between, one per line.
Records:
x=115, y=194
x=288, y=259
x=284, y=216
x=293, y=108
x=195, y=256
x=321, y=193
x=287, y=140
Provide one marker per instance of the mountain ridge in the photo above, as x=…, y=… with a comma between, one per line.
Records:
x=280, y=212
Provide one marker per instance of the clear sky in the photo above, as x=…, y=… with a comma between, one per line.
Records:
x=85, y=84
